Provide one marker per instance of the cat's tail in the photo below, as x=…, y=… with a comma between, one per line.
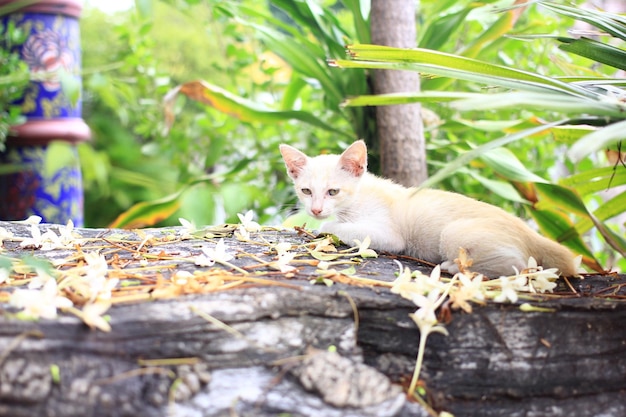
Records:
x=551, y=254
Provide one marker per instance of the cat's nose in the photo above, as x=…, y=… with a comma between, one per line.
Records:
x=316, y=212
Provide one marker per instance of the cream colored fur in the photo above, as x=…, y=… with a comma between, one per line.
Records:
x=427, y=224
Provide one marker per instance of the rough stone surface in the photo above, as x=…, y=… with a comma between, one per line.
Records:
x=568, y=361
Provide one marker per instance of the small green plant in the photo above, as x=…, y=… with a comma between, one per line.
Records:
x=14, y=77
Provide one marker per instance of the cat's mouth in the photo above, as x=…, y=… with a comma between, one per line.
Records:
x=319, y=216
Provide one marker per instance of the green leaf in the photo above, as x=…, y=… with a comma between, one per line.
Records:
x=12, y=168
x=148, y=213
x=454, y=66
x=323, y=256
x=59, y=155
x=587, y=80
x=615, y=240
x=440, y=29
x=292, y=92
x=6, y=263
x=596, y=51
x=564, y=199
x=558, y=227
x=468, y=156
x=94, y=165
x=561, y=103
x=239, y=107
x=611, y=208
x=238, y=197
x=34, y=263
x=321, y=280
x=501, y=188
x=197, y=203
x=71, y=87
x=594, y=180
x=570, y=133
x=360, y=13
x=145, y=8
x=505, y=163
x=139, y=179
x=597, y=140
x=611, y=23
x=554, y=198
x=351, y=270
x=55, y=373
x=491, y=125
x=404, y=98
x=304, y=56
x=321, y=21
x=485, y=41
x=494, y=32
x=216, y=150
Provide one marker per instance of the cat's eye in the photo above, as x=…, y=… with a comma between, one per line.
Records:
x=306, y=191
x=333, y=192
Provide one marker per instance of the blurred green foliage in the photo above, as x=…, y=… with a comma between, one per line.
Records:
x=13, y=80
x=209, y=166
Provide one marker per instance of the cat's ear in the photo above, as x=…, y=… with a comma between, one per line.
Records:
x=354, y=159
x=294, y=160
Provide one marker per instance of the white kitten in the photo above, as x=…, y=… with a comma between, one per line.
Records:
x=427, y=224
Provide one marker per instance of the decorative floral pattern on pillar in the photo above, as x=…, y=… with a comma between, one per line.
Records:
x=33, y=182
x=51, y=51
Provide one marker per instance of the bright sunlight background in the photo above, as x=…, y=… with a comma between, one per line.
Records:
x=110, y=6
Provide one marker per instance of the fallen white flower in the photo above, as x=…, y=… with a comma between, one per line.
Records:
x=247, y=222
x=212, y=255
x=40, y=303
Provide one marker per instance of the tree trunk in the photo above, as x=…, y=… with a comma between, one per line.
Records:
x=400, y=129
x=172, y=357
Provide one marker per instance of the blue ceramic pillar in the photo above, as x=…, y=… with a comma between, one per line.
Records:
x=45, y=187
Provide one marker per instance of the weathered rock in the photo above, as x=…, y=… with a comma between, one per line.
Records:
x=171, y=356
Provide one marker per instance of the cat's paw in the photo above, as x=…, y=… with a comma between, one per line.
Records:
x=330, y=229
x=450, y=266
x=335, y=239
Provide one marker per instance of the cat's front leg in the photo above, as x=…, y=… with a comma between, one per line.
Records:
x=382, y=238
